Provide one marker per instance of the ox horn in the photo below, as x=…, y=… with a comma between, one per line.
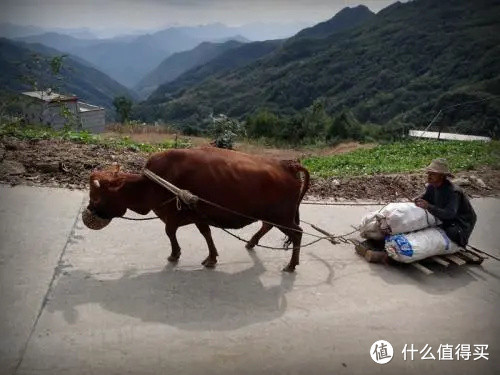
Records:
x=96, y=183
x=115, y=167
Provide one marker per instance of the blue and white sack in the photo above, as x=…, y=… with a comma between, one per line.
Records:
x=411, y=247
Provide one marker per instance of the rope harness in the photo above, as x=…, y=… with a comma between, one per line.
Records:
x=191, y=201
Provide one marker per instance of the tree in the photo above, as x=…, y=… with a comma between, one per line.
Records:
x=316, y=121
x=344, y=126
x=263, y=124
x=123, y=106
x=224, y=131
x=44, y=75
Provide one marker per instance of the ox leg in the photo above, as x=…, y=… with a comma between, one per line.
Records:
x=296, y=238
x=211, y=260
x=176, y=249
x=257, y=236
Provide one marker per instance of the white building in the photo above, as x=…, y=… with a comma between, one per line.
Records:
x=448, y=136
x=92, y=117
x=56, y=110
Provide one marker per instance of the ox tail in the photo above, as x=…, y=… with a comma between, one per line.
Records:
x=295, y=167
x=303, y=190
x=305, y=183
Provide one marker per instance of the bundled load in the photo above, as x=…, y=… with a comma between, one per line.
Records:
x=410, y=232
x=396, y=218
x=411, y=247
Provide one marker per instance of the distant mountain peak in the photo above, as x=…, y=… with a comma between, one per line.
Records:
x=345, y=19
x=357, y=8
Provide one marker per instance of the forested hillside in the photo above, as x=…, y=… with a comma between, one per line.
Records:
x=180, y=62
x=24, y=65
x=397, y=69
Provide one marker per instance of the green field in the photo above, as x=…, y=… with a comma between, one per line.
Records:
x=406, y=156
x=123, y=142
x=397, y=157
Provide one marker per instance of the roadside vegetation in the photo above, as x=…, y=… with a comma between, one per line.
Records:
x=84, y=137
x=403, y=156
x=406, y=156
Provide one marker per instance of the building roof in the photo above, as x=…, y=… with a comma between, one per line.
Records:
x=85, y=107
x=449, y=136
x=50, y=96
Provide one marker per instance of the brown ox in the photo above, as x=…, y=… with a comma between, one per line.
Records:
x=256, y=187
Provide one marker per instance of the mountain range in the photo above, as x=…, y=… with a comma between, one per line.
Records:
x=241, y=55
x=129, y=58
x=12, y=31
x=396, y=68
x=225, y=61
x=401, y=65
x=180, y=62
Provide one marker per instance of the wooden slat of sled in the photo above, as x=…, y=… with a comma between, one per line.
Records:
x=469, y=258
x=371, y=256
x=476, y=254
x=375, y=256
x=422, y=268
x=455, y=259
x=360, y=248
x=440, y=261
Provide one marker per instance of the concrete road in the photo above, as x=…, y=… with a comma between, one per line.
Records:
x=76, y=301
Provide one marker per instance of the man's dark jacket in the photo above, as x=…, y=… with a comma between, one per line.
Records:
x=450, y=205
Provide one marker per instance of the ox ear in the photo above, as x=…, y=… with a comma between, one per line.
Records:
x=96, y=183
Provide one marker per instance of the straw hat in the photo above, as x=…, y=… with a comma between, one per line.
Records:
x=439, y=166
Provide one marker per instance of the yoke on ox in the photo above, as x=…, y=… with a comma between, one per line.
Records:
x=254, y=187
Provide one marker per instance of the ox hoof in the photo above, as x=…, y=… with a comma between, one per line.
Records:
x=249, y=246
x=289, y=268
x=209, y=263
x=174, y=258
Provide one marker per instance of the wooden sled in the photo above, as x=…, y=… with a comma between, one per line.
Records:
x=373, y=251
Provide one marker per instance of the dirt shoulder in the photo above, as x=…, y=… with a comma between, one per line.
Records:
x=58, y=163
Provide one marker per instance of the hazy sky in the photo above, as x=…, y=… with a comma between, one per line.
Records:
x=154, y=14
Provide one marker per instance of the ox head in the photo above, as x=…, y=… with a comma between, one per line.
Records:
x=105, y=199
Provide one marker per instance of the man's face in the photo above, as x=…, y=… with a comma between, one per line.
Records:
x=435, y=179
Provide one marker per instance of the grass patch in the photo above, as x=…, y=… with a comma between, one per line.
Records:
x=38, y=133
x=406, y=156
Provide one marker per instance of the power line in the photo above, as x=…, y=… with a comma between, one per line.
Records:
x=457, y=105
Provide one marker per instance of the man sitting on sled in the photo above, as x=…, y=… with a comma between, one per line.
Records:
x=448, y=203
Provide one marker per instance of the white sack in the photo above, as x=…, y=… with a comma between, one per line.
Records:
x=411, y=247
x=396, y=218
x=373, y=227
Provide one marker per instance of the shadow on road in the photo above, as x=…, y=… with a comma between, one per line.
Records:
x=187, y=299
x=442, y=281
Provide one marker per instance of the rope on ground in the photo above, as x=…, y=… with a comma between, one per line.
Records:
x=271, y=247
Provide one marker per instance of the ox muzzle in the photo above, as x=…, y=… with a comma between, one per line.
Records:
x=92, y=221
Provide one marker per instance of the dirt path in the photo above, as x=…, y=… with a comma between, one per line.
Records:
x=65, y=164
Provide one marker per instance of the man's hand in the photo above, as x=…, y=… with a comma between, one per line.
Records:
x=422, y=203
